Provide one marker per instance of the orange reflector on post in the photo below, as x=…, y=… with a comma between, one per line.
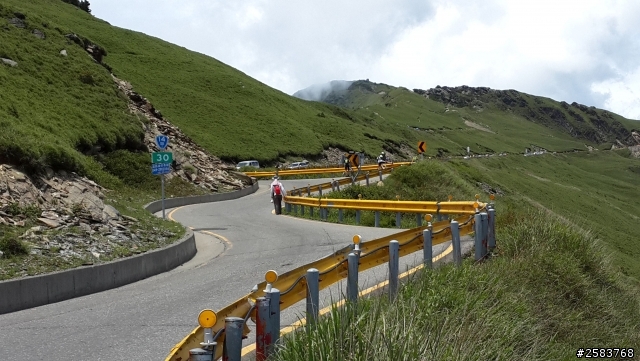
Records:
x=207, y=318
x=271, y=276
x=357, y=239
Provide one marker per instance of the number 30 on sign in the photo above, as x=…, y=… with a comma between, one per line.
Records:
x=162, y=157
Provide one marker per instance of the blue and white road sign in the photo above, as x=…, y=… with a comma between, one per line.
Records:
x=162, y=141
x=160, y=168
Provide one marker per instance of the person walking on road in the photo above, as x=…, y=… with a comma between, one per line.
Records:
x=347, y=166
x=381, y=161
x=277, y=193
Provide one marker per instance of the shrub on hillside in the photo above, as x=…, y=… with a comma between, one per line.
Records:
x=13, y=247
x=82, y=4
x=134, y=169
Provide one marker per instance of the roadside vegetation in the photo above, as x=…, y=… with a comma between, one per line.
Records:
x=423, y=181
x=562, y=275
x=547, y=291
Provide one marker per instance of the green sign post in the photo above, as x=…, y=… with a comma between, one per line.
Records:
x=161, y=162
x=162, y=157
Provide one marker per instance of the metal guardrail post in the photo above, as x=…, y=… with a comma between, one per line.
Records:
x=308, y=190
x=313, y=295
x=485, y=231
x=311, y=211
x=287, y=207
x=302, y=210
x=455, y=242
x=366, y=177
x=418, y=220
x=492, y=229
x=206, y=320
x=263, y=337
x=352, y=276
x=394, y=268
x=357, y=216
x=295, y=209
x=380, y=175
x=398, y=219
x=340, y=215
x=274, y=317
x=377, y=218
x=232, y=347
x=200, y=354
x=477, y=228
x=427, y=248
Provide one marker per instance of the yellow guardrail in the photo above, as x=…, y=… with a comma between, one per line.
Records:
x=332, y=269
x=450, y=207
x=342, y=181
x=307, y=171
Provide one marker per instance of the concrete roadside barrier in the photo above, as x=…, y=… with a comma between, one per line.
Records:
x=28, y=292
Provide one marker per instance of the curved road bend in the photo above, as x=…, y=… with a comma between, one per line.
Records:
x=145, y=319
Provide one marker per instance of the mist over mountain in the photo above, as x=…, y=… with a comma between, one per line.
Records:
x=319, y=92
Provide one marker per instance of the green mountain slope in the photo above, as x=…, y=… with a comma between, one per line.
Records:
x=228, y=113
x=486, y=120
x=54, y=107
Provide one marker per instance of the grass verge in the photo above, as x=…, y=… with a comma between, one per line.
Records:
x=547, y=291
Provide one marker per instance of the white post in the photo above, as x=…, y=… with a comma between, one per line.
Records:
x=162, y=181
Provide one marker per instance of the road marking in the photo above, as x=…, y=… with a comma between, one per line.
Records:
x=227, y=243
x=302, y=322
x=170, y=216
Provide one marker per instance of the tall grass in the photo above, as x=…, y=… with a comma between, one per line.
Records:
x=547, y=291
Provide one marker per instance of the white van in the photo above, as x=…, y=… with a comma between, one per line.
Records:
x=248, y=163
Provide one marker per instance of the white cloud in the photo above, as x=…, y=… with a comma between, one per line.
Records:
x=623, y=93
x=572, y=50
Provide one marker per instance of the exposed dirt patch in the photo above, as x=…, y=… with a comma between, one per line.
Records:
x=538, y=178
x=471, y=124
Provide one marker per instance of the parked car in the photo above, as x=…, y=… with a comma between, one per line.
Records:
x=248, y=163
x=299, y=165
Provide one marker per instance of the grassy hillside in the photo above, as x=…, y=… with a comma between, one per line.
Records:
x=564, y=273
x=222, y=109
x=53, y=107
x=230, y=114
x=547, y=292
x=596, y=192
x=486, y=120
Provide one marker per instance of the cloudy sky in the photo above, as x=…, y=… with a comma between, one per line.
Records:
x=586, y=51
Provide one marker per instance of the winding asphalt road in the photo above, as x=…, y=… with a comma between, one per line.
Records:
x=237, y=242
